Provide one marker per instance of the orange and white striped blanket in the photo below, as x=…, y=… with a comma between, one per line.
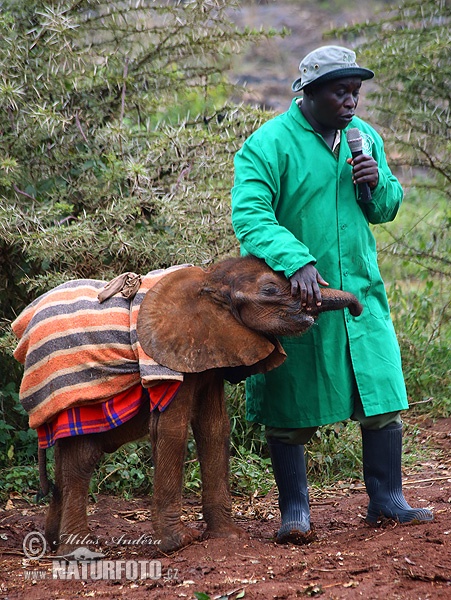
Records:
x=78, y=351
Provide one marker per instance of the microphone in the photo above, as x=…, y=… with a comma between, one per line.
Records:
x=355, y=144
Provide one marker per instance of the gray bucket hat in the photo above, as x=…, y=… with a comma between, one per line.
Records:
x=327, y=63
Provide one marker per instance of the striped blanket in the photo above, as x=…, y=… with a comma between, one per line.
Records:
x=78, y=351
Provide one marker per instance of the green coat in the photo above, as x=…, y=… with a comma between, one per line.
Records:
x=293, y=202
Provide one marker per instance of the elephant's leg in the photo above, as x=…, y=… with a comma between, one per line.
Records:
x=75, y=460
x=67, y=522
x=211, y=430
x=169, y=434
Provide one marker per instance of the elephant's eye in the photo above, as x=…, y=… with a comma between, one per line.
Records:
x=270, y=290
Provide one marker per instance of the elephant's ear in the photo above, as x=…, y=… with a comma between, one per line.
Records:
x=181, y=325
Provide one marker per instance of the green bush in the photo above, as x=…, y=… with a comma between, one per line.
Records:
x=127, y=472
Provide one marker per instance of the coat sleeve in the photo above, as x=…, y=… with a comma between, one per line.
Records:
x=388, y=194
x=256, y=188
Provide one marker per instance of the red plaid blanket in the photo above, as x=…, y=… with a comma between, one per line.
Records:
x=95, y=418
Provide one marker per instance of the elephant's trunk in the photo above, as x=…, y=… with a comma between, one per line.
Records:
x=337, y=299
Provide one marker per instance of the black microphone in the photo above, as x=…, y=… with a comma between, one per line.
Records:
x=355, y=144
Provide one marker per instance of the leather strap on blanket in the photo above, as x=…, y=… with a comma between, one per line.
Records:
x=126, y=284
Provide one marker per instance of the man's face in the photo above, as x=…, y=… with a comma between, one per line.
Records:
x=333, y=103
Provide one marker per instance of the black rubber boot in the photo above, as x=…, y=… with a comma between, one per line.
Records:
x=288, y=463
x=382, y=451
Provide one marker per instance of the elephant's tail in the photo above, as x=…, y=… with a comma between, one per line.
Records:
x=44, y=483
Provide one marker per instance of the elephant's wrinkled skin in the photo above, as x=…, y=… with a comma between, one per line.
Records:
x=213, y=325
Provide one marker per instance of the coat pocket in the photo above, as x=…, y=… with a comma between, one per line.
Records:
x=375, y=294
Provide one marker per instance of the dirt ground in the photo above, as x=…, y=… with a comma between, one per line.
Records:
x=349, y=559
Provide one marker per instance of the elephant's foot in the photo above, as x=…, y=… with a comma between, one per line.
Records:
x=220, y=524
x=83, y=552
x=175, y=538
x=82, y=544
x=225, y=530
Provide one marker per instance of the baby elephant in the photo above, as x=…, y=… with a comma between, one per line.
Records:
x=199, y=327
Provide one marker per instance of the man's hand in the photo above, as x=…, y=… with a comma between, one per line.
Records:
x=364, y=170
x=305, y=283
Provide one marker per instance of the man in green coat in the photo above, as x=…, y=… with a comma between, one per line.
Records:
x=296, y=203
